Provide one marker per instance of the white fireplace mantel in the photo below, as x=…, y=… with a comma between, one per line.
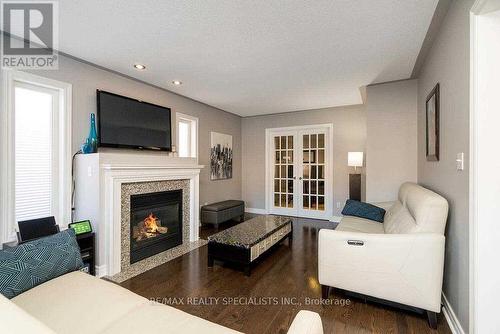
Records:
x=99, y=178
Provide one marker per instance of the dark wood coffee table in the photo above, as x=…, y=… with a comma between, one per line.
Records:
x=246, y=242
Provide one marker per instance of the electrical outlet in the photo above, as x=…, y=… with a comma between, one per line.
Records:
x=89, y=171
x=338, y=205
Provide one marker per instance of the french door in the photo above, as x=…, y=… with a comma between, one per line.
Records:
x=299, y=171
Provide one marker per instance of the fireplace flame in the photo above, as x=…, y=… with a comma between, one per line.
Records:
x=151, y=223
x=149, y=227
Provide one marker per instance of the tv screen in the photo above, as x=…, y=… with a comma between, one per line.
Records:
x=125, y=122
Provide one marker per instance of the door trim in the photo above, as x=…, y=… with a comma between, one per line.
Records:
x=328, y=171
x=476, y=190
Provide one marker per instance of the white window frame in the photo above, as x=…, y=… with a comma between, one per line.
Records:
x=179, y=117
x=8, y=225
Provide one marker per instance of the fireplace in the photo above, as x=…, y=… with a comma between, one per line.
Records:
x=155, y=223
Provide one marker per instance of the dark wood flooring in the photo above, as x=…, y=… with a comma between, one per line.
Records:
x=286, y=277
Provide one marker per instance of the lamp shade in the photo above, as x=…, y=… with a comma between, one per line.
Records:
x=355, y=159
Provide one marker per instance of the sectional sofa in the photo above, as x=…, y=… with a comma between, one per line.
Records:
x=78, y=303
x=400, y=260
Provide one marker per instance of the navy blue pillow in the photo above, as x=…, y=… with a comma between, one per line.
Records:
x=363, y=210
x=38, y=261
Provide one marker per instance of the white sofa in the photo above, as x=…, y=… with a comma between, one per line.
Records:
x=79, y=303
x=400, y=260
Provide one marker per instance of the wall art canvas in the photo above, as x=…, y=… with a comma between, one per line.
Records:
x=221, y=156
x=432, y=124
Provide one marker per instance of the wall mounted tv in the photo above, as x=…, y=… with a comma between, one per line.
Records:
x=129, y=123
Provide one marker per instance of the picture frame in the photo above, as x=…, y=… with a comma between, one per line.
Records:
x=432, y=106
x=221, y=156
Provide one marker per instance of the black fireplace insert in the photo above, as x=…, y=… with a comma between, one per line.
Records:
x=155, y=223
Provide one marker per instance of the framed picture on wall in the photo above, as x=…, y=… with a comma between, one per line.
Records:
x=221, y=156
x=432, y=124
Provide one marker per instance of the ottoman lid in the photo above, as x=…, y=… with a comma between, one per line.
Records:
x=222, y=205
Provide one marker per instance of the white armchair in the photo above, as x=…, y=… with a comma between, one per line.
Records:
x=401, y=260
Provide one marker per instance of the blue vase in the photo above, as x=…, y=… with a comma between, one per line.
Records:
x=90, y=145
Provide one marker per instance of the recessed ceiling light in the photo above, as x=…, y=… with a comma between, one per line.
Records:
x=139, y=66
x=177, y=82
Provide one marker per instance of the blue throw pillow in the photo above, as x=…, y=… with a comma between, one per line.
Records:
x=38, y=261
x=363, y=210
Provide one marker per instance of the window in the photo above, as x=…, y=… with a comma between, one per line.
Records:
x=33, y=149
x=187, y=135
x=184, y=138
x=36, y=151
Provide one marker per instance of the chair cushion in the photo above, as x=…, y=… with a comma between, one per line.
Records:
x=222, y=205
x=429, y=210
x=363, y=210
x=94, y=303
x=14, y=320
x=404, y=189
x=78, y=303
x=306, y=322
x=154, y=318
x=355, y=224
x=399, y=220
x=35, y=262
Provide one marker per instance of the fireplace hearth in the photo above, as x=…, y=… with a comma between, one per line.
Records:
x=155, y=223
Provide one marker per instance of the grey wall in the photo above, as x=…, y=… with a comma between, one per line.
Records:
x=349, y=134
x=391, y=147
x=448, y=64
x=86, y=79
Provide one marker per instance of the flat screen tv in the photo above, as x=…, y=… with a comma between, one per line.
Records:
x=129, y=123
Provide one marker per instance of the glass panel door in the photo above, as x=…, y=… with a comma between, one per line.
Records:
x=313, y=169
x=298, y=169
x=284, y=198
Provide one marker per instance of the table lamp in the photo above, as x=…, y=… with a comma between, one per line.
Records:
x=355, y=159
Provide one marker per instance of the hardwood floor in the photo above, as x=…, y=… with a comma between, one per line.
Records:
x=287, y=274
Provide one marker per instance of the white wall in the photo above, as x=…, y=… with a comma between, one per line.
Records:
x=448, y=63
x=487, y=180
x=349, y=134
x=391, y=144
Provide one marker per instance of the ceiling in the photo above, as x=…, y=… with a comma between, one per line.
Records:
x=256, y=56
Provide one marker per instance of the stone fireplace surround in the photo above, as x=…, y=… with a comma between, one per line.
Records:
x=104, y=183
x=128, y=189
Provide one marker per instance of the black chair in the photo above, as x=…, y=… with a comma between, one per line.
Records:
x=36, y=228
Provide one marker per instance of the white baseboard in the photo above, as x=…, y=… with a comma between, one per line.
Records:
x=255, y=210
x=451, y=317
x=101, y=271
x=336, y=219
